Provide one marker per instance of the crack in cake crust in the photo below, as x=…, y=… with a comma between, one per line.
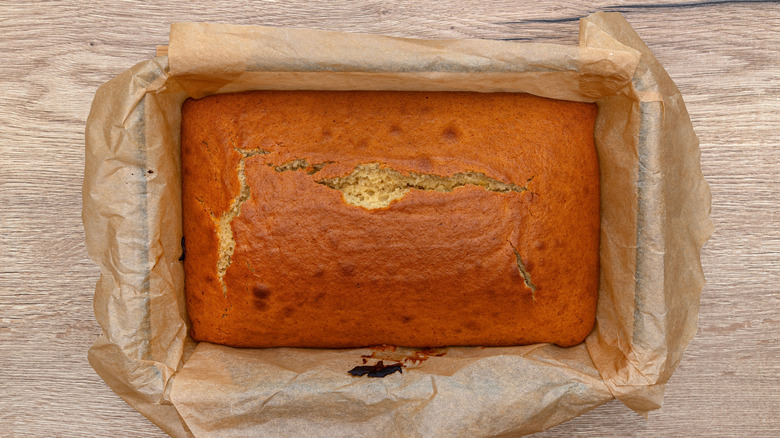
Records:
x=524, y=272
x=227, y=243
x=369, y=185
x=373, y=185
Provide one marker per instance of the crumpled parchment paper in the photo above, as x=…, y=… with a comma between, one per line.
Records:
x=655, y=219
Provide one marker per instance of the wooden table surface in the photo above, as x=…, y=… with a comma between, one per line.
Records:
x=723, y=55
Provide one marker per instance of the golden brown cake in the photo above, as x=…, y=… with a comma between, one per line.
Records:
x=346, y=219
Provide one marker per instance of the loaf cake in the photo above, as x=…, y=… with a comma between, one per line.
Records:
x=340, y=219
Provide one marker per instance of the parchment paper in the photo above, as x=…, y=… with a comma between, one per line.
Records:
x=654, y=221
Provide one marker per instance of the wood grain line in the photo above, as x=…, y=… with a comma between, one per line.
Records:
x=640, y=7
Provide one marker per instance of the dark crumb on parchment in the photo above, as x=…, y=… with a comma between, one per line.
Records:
x=183, y=250
x=378, y=370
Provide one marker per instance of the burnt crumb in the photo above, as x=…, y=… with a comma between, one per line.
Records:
x=377, y=370
x=450, y=135
x=472, y=325
x=348, y=269
x=261, y=292
x=150, y=171
x=183, y=249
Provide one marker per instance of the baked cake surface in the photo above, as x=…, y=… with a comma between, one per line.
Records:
x=421, y=219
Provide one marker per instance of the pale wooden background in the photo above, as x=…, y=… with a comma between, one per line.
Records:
x=724, y=56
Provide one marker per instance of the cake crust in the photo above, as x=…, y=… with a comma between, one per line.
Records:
x=348, y=219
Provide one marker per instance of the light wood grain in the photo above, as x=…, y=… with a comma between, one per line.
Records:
x=724, y=56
